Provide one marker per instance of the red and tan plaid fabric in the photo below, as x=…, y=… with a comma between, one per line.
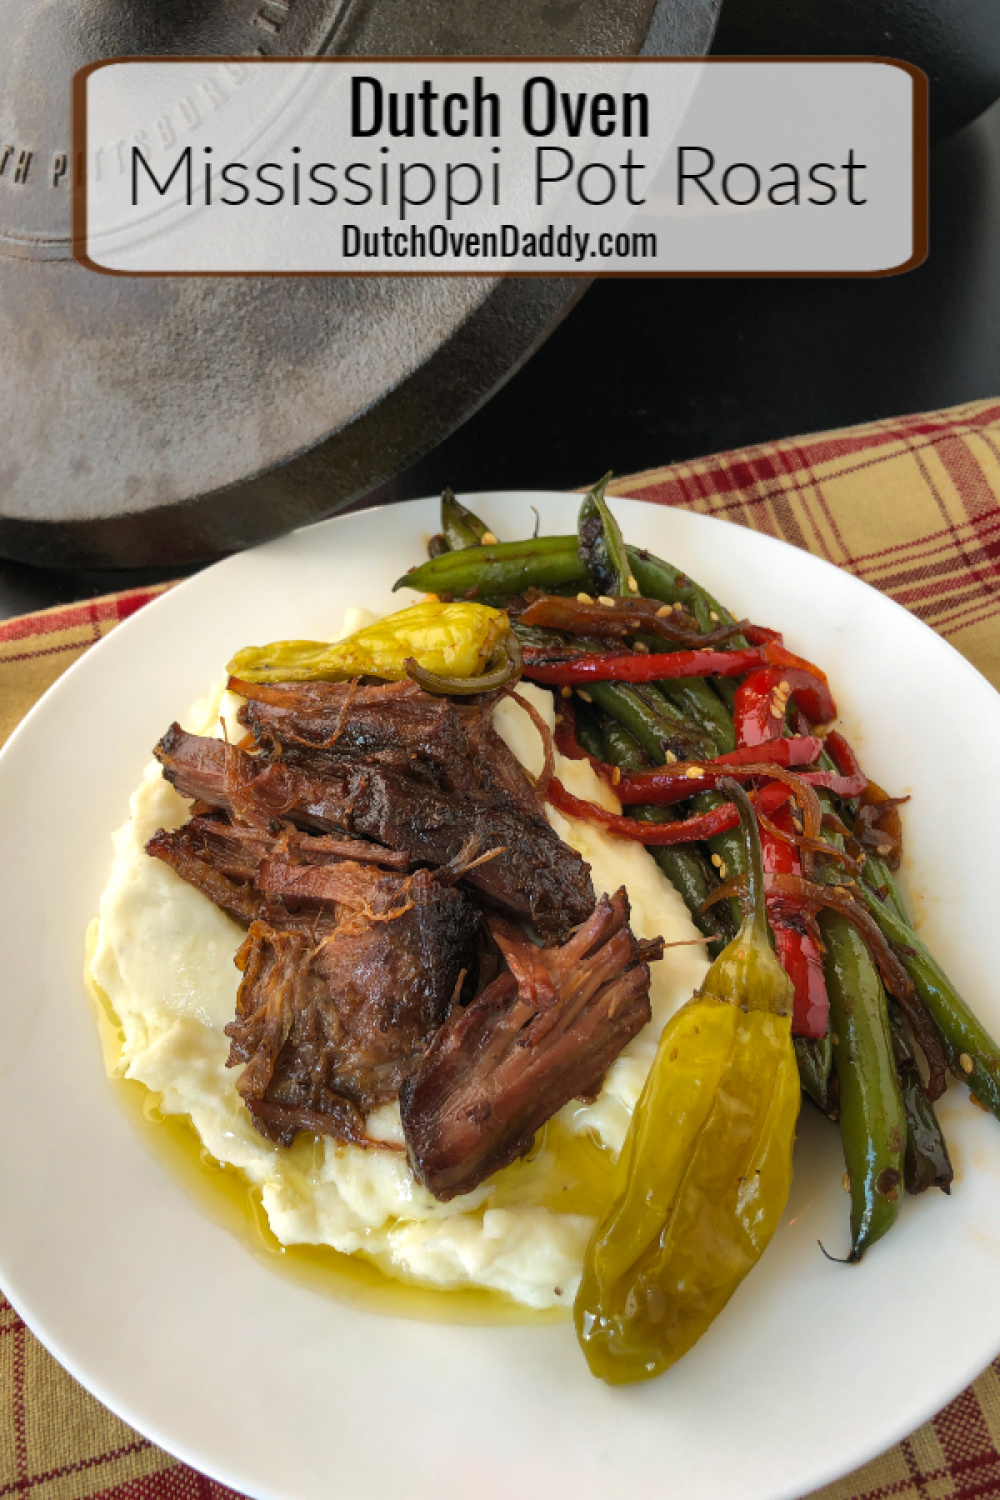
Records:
x=909, y=505
x=36, y=649
x=912, y=506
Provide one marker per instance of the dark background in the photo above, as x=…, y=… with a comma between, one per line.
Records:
x=642, y=373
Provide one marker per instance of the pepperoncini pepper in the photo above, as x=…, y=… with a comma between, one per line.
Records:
x=452, y=644
x=703, y=1176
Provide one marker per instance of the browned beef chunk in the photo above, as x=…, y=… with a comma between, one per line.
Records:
x=196, y=862
x=195, y=765
x=325, y=726
x=321, y=726
x=538, y=1036
x=187, y=856
x=502, y=771
x=229, y=847
x=329, y=1030
x=237, y=851
x=537, y=876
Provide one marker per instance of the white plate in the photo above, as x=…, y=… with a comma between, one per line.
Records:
x=811, y=1370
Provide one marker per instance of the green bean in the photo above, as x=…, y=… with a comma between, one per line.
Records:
x=462, y=528
x=601, y=545
x=632, y=711
x=661, y=580
x=872, y=1116
x=927, y=1163
x=972, y=1053
x=698, y=703
x=499, y=569
x=588, y=730
x=694, y=697
x=815, y=1059
x=656, y=724
x=880, y=878
x=548, y=562
x=684, y=865
x=619, y=748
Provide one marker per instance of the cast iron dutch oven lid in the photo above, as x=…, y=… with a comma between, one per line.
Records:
x=161, y=421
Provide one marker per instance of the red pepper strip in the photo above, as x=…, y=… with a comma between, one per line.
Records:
x=852, y=781
x=759, y=635
x=799, y=750
x=776, y=656
x=657, y=666
x=764, y=697
x=799, y=952
x=566, y=741
x=601, y=667
x=689, y=830
x=663, y=784
x=770, y=797
x=568, y=745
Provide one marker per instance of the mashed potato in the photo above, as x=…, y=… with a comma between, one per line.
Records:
x=164, y=959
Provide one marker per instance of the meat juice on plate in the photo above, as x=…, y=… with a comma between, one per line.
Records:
x=564, y=1172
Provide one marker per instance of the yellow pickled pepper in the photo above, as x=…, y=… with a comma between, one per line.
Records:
x=703, y=1176
x=450, y=640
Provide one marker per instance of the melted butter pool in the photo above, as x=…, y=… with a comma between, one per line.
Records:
x=563, y=1172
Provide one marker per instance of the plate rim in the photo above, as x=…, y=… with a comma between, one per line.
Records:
x=50, y=1338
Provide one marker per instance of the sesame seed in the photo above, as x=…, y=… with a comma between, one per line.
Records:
x=581, y=693
x=965, y=1063
x=488, y=539
x=671, y=758
x=641, y=647
x=565, y=692
x=723, y=871
x=717, y=860
x=584, y=599
x=713, y=616
x=633, y=586
x=694, y=772
x=603, y=599
x=884, y=849
x=664, y=609
x=845, y=1182
x=616, y=775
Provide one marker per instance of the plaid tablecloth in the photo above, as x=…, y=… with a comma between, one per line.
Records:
x=912, y=506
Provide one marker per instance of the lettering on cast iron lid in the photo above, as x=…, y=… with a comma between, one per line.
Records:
x=35, y=170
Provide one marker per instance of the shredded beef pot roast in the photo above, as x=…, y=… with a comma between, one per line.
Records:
x=538, y=1036
x=428, y=813
x=354, y=833
x=331, y=1029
